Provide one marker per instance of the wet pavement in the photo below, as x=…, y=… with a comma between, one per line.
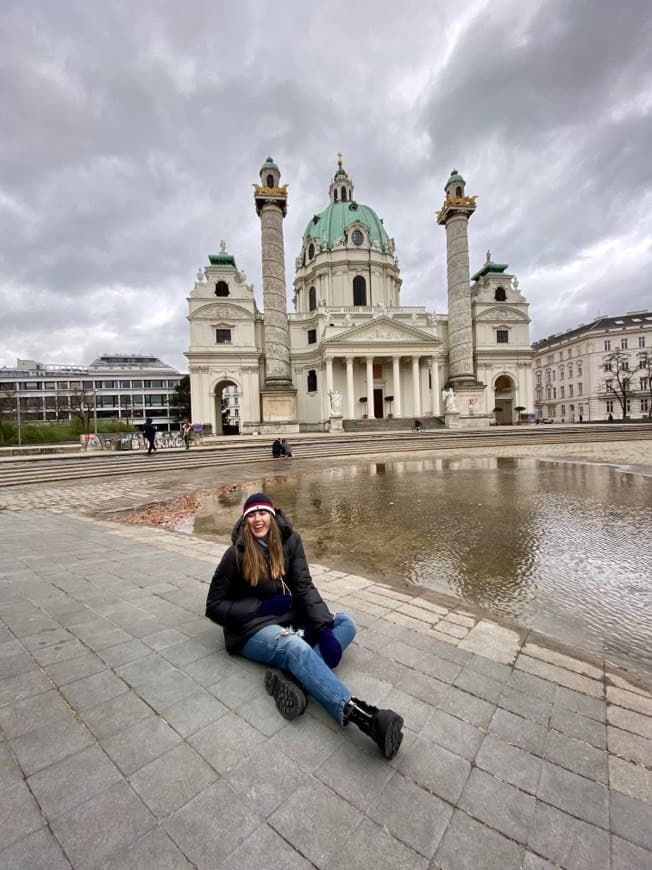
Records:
x=129, y=738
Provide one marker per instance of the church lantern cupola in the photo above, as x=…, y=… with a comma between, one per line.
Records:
x=455, y=186
x=341, y=189
x=270, y=174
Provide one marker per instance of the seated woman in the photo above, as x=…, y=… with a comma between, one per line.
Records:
x=277, y=448
x=263, y=596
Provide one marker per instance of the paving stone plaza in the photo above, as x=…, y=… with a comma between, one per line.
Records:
x=130, y=739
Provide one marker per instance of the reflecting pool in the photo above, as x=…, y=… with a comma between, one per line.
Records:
x=563, y=547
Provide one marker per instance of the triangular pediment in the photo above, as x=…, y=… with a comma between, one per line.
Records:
x=383, y=330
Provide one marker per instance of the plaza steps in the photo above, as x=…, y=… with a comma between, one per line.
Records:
x=393, y=424
x=250, y=450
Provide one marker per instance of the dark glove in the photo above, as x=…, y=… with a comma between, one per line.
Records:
x=331, y=651
x=277, y=604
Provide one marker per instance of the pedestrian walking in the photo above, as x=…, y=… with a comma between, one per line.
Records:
x=264, y=598
x=149, y=431
x=186, y=433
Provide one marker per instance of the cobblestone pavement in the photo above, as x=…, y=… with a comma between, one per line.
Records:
x=129, y=738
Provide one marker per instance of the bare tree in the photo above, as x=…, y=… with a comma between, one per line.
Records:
x=82, y=406
x=617, y=382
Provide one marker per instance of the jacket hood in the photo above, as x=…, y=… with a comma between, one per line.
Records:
x=283, y=521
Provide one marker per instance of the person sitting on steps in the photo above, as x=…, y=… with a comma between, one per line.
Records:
x=264, y=598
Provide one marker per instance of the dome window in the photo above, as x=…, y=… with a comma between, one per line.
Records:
x=311, y=251
x=312, y=299
x=458, y=191
x=270, y=181
x=353, y=206
x=334, y=194
x=344, y=194
x=357, y=238
x=221, y=288
x=359, y=290
x=500, y=295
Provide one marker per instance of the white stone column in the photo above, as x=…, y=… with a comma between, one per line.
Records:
x=370, y=386
x=350, y=413
x=416, y=386
x=326, y=402
x=436, y=392
x=277, y=352
x=396, y=384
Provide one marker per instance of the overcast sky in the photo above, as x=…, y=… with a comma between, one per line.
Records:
x=133, y=131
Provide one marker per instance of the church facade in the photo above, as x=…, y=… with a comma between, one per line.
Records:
x=350, y=351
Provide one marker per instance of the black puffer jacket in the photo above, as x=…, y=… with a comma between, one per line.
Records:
x=234, y=603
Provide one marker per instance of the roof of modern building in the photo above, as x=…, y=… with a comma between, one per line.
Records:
x=631, y=320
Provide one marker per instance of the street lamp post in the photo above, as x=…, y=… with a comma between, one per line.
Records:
x=95, y=412
x=18, y=412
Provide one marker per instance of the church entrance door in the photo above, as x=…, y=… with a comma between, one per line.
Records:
x=378, y=403
x=227, y=408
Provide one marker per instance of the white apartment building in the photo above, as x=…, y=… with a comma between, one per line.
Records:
x=574, y=371
x=129, y=387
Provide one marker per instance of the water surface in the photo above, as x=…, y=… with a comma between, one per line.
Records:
x=562, y=547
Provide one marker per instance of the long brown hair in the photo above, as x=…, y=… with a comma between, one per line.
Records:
x=258, y=562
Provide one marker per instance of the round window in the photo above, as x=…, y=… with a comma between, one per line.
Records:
x=357, y=238
x=311, y=251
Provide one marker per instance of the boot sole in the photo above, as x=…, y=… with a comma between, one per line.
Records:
x=289, y=698
x=393, y=738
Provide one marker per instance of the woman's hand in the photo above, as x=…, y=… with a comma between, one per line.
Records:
x=331, y=650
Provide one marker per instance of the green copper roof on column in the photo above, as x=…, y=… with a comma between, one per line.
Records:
x=269, y=164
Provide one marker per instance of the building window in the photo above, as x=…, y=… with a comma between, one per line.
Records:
x=270, y=180
x=570, y=371
x=312, y=336
x=644, y=405
x=609, y=385
x=610, y=406
x=312, y=299
x=311, y=251
x=359, y=290
x=607, y=366
x=641, y=341
x=357, y=238
x=458, y=191
x=500, y=295
x=223, y=336
x=312, y=381
x=624, y=365
x=561, y=373
x=643, y=383
x=563, y=410
x=570, y=391
x=562, y=393
x=538, y=378
x=502, y=336
x=579, y=370
x=554, y=375
x=579, y=388
x=221, y=288
x=344, y=194
x=623, y=344
x=607, y=344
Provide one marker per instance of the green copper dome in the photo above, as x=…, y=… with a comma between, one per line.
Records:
x=330, y=224
x=455, y=176
x=269, y=164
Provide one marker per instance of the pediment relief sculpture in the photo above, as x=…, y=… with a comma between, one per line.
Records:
x=222, y=310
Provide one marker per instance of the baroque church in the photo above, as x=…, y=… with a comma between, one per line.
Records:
x=351, y=355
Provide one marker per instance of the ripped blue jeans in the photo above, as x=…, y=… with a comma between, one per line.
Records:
x=290, y=652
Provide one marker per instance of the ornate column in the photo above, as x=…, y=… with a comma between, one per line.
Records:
x=350, y=413
x=454, y=216
x=278, y=394
x=370, y=385
x=396, y=384
x=416, y=386
x=436, y=391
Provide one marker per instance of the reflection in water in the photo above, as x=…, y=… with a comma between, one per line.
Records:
x=562, y=547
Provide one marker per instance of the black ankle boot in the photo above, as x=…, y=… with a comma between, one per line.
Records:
x=289, y=696
x=383, y=726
